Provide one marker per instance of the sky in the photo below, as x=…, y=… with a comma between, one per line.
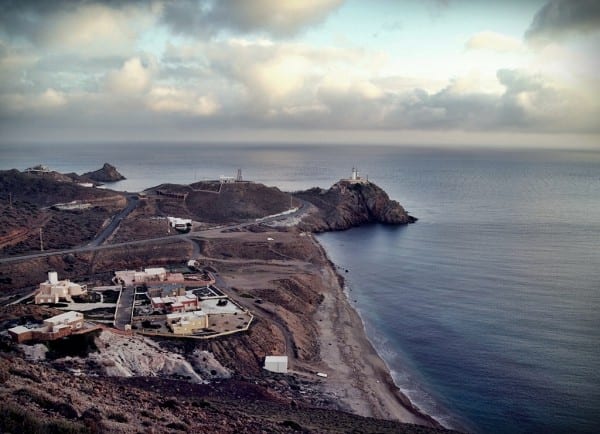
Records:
x=332, y=71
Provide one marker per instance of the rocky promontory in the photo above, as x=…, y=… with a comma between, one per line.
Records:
x=348, y=204
x=107, y=173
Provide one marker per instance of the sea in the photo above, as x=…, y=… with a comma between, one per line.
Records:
x=486, y=311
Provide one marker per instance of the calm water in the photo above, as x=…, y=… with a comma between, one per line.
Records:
x=486, y=310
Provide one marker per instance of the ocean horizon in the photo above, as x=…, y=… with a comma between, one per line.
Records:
x=485, y=310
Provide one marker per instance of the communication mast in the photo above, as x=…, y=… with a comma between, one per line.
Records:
x=239, y=176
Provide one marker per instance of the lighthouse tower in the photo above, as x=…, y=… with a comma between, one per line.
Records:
x=356, y=178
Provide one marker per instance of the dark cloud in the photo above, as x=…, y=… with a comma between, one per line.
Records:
x=560, y=17
x=274, y=17
x=529, y=103
x=40, y=21
x=517, y=81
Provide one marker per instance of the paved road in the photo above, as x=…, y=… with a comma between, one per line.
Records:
x=132, y=202
x=124, y=307
x=88, y=248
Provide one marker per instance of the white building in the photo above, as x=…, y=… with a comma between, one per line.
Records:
x=130, y=277
x=276, y=364
x=187, y=323
x=72, y=319
x=56, y=327
x=226, y=179
x=54, y=290
x=179, y=223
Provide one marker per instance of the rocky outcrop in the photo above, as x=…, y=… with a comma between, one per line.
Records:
x=107, y=173
x=348, y=204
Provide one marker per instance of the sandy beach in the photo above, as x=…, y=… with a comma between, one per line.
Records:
x=356, y=373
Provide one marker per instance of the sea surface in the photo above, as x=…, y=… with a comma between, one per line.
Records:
x=487, y=310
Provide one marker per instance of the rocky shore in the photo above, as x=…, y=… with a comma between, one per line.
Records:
x=107, y=173
x=347, y=204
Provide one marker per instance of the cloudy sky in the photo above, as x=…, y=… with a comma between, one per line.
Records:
x=390, y=71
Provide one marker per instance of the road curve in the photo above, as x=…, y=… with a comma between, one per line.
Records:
x=92, y=247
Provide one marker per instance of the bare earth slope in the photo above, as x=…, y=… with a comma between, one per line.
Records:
x=24, y=211
x=36, y=398
x=46, y=189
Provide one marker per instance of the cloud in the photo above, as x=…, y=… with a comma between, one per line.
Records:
x=184, y=101
x=133, y=78
x=529, y=103
x=82, y=64
x=493, y=41
x=558, y=18
x=82, y=27
x=275, y=17
x=46, y=101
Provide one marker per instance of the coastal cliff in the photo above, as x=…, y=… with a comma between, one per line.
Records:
x=348, y=204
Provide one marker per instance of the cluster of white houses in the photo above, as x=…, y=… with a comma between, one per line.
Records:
x=54, y=290
x=184, y=310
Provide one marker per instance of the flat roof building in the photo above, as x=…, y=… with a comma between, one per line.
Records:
x=179, y=303
x=53, y=328
x=187, y=323
x=276, y=364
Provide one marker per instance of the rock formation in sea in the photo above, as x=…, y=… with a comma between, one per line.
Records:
x=348, y=204
x=107, y=173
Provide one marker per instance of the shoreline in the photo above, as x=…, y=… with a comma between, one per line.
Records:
x=357, y=374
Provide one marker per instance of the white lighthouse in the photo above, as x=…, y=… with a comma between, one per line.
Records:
x=356, y=179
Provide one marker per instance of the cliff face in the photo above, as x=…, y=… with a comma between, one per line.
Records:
x=348, y=204
x=107, y=173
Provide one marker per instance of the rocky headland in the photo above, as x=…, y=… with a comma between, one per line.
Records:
x=106, y=173
x=349, y=204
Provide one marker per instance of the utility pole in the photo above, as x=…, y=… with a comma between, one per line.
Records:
x=10, y=199
x=41, y=241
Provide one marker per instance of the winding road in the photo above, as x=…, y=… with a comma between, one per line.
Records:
x=132, y=203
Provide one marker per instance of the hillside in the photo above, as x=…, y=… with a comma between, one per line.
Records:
x=46, y=189
x=24, y=210
x=212, y=202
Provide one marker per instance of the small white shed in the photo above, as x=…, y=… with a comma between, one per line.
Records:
x=276, y=364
